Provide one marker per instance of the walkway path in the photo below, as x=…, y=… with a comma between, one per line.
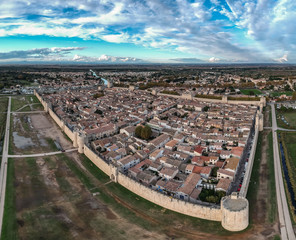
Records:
x=3, y=170
x=42, y=154
x=287, y=232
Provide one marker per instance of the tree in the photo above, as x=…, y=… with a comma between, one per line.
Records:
x=146, y=132
x=138, y=131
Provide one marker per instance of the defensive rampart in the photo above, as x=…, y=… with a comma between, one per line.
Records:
x=211, y=100
x=245, y=185
x=208, y=212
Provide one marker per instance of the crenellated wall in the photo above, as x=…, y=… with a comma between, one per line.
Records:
x=208, y=212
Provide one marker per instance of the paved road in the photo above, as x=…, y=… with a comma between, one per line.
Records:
x=3, y=171
x=29, y=112
x=41, y=154
x=286, y=228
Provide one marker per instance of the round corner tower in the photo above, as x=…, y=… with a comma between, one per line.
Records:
x=235, y=212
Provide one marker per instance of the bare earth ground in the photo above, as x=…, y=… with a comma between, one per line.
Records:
x=52, y=203
x=37, y=128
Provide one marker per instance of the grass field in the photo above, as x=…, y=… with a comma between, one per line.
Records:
x=272, y=209
x=247, y=91
x=9, y=226
x=18, y=102
x=276, y=94
x=290, y=117
x=253, y=187
x=289, y=145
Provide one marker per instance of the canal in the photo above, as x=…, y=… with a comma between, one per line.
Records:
x=287, y=178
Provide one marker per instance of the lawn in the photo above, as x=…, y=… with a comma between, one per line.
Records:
x=290, y=117
x=272, y=208
x=277, y=94
x=289, y=145
x=249, y=91
x=18, y=102
x=253, y=187
x=9, y=227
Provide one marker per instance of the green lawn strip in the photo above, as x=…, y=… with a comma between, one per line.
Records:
x=94, y=170
x=65, y=135
x=254, y=180
x=51, y=144
x=9, y=225
x=161, y=214
x=11, y=144
x=276, y=94
x=272, y=209
x=277, y=237
x=3, y=115
x=289, y=145
x=77, y=171
x=248, y=91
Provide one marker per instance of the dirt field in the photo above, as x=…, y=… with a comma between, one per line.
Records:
x=35, y=133
x=52, y=203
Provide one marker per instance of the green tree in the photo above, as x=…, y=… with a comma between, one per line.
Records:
x=138, y=131
x=146, y=132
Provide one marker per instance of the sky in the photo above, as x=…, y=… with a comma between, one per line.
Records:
x=151, y=31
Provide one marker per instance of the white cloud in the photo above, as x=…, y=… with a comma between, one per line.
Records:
x=39, y=53
x=172, y=25
x=106, y=59
x=214, y=60
x=283, y=59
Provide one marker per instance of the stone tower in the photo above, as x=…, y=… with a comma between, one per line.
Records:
x=235, y=212
x=80, y=142
x=259, y=121
x=224, y=99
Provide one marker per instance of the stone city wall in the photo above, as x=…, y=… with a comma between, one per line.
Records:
x=194, y=210
x=210, y=100
x=245, y=185
x=213, y=213
x=100, y=163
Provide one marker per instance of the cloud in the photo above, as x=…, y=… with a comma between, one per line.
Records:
x=39, y=53
x=283, y=59
x=249, y=30
x=187, y=60
x=214, y=60
x=106, y=59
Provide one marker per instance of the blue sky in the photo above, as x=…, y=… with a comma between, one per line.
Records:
x=132, y=31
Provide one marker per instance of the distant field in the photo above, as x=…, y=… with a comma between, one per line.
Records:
x=276, y=94
x=248, y=91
